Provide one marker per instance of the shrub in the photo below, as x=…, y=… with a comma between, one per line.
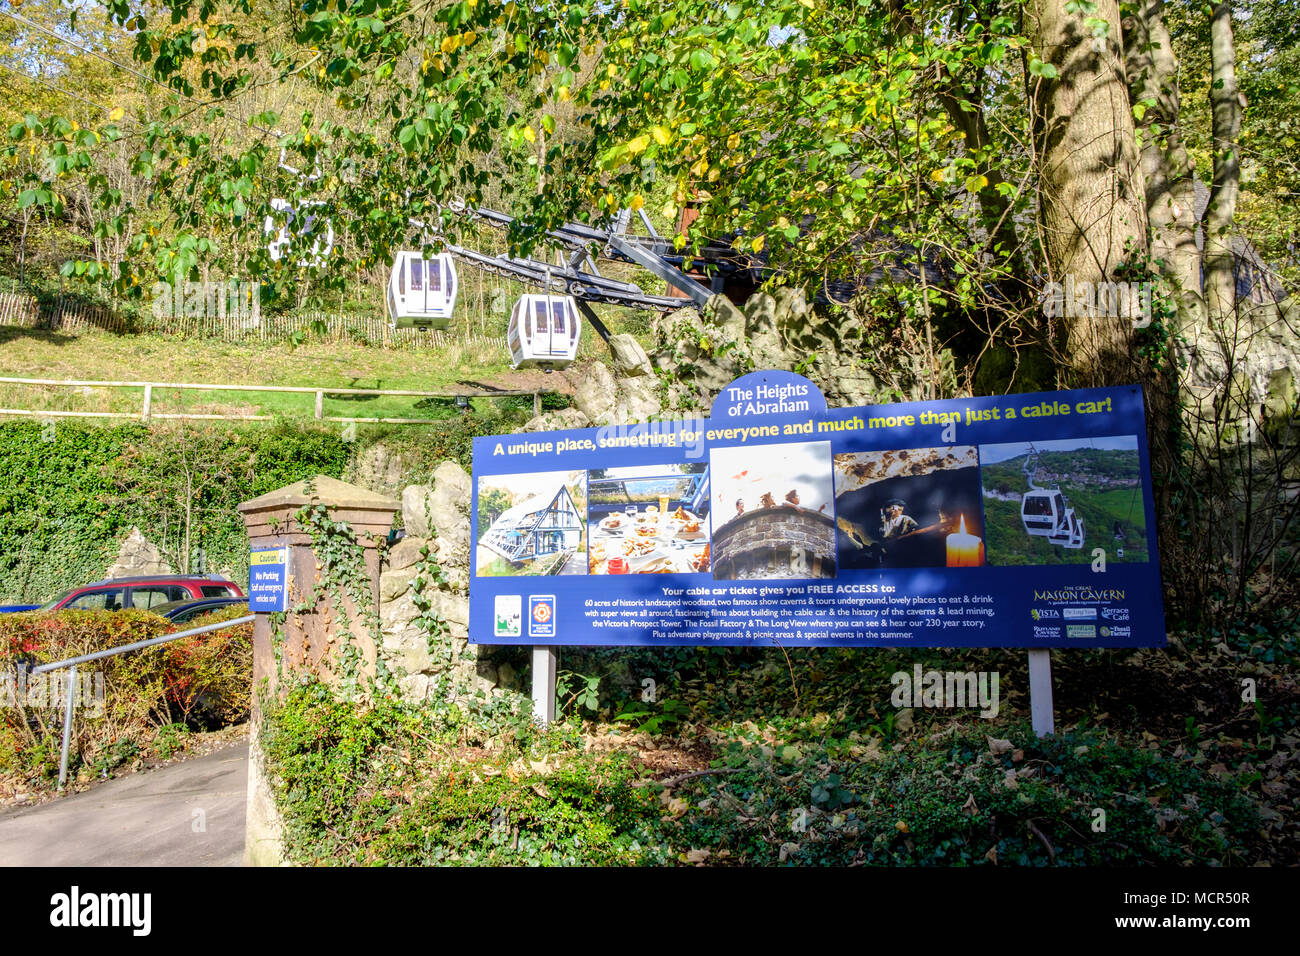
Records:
x=123, y=700
x=392, y=784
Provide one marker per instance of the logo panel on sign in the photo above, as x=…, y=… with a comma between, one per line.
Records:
x=509, y=611
x=541, y=615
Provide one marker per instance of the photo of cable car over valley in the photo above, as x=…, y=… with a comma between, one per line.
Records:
x=1055, y=502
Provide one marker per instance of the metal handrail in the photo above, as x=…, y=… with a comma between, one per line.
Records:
x=72, y=662
x=125, y=648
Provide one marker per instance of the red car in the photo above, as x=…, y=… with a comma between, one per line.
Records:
x=142, y=593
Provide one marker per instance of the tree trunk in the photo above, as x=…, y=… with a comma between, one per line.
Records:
x=995, y=208
x=1225, y=101
x=1092, y=209
x=1152, y=70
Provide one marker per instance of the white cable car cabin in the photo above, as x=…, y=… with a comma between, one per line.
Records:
x=422, y=292
x=1070, y=533
x=302, y=222
x=544, y=332
x=1042, y=511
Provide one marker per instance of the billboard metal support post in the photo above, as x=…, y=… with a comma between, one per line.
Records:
x=1040, y=693
x=544, y=659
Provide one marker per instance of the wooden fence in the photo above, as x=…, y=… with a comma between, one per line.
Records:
x=147, y=413
x=58, y=313
x=65, y=313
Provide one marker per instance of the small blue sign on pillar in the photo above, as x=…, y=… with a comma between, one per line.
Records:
x=268, y=580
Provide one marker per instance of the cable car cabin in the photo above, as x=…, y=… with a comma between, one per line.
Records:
x=1070, y=533
x=422, y=292
x=1042, y=511
x=304, y=221
x=544, y=332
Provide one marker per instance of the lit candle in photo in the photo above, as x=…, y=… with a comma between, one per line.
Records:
x=965, y=550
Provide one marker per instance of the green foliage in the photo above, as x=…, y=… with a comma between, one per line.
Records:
x=957, y=803
x=66, y=502
x=141, y=700
x=383, y=785
x=169, y=740
x=70, y=492
x=579, y=689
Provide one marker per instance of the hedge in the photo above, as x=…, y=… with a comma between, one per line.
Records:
x=69, y=493
x=201, y=682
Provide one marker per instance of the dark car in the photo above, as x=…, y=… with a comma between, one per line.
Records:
x=143, y=593
x=182, y=611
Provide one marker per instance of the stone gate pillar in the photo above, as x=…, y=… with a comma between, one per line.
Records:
x=313, y=634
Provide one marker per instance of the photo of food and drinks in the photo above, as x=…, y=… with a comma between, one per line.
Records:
x=648, y=519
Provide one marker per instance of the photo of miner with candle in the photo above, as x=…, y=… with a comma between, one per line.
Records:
x=909, y=508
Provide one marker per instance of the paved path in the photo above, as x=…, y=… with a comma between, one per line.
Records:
x=190, y=813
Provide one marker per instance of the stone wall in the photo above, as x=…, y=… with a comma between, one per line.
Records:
x=781, y=542
x=436, y=518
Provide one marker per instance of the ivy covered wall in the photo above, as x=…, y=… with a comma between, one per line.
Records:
x=70, y=491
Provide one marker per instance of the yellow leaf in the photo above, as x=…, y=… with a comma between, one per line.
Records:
x=468, y=37
x=449, y=44
x=636, y=203
x=638, y=145
x=563, y=94
x=511, y=8
x=937, y=175
x=529, y=134
x=733, y=141
x=758, y=243
x=662, y=136
x=611, y=71
x=116, y=114
x=700, y=167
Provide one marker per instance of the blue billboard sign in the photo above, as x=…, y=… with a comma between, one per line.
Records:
x=1008, y=521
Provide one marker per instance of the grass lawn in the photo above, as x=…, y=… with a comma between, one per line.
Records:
x=105, y=356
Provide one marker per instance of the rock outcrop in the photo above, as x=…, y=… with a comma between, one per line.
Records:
x=137, y=556
x=436, y=518
x=703, y=353
x=625, y=393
